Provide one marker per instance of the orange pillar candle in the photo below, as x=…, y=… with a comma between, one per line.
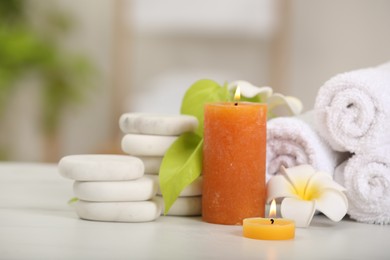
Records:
x=234, y=162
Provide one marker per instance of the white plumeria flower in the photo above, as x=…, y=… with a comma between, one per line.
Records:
x=304, y=191
x=281, y=105
x=248, y=90
x=278, y=104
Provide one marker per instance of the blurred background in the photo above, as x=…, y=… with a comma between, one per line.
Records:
x=70, y=68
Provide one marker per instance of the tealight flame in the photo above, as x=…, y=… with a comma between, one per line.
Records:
x=237, y=94
x=272, y=210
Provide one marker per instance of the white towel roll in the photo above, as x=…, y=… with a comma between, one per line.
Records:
x=353, y=109
x=292, y=141
x=366, y=178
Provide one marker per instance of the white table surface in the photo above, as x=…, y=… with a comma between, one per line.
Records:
x=37, y=223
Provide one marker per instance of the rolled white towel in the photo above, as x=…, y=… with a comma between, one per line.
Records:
x=353, y=110
x=366, y=178
x=293, y=141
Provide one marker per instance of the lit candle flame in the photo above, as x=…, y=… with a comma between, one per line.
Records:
x=272, y=210
x=237, y=94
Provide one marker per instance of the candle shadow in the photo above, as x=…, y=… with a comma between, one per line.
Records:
x=237, y=233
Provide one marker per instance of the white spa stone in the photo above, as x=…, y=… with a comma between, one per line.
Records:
x=155, y=124
x=136, y=211
x=146, y=145
x=101, y=167
x=194, y=189
x=152, y=163
x=184, y=206
x=141, y=189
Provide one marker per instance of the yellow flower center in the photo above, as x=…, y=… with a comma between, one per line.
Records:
x=305, y=191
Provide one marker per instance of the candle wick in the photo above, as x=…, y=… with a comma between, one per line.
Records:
x=272, y=220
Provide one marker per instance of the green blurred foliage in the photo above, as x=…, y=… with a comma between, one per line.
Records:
x=26, y=49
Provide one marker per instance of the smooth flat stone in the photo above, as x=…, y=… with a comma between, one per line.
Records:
x=152, y=163
x=141, y=189
x=155, y=124
x=146, y=145
x=184, y=206
x=136, y=211
x=194, y=189
x=101, y=167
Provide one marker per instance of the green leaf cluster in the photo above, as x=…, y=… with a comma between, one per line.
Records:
x=202, y=92
x=182, y=163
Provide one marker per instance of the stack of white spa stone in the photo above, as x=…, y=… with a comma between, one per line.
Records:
x=111, y=188
x=148, y=137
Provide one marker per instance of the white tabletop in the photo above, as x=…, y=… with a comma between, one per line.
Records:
x=37, y=223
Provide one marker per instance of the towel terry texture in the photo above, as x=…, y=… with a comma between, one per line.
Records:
x=353, y=109
x=293, y=141
x=366, y=178
x=352, y=112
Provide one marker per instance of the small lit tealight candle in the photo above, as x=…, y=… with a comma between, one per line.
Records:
x=271, y=228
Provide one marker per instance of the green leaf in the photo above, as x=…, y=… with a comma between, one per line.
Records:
x=255, y=99
x=73, y=200
x=181, y=165
x=202, y=92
